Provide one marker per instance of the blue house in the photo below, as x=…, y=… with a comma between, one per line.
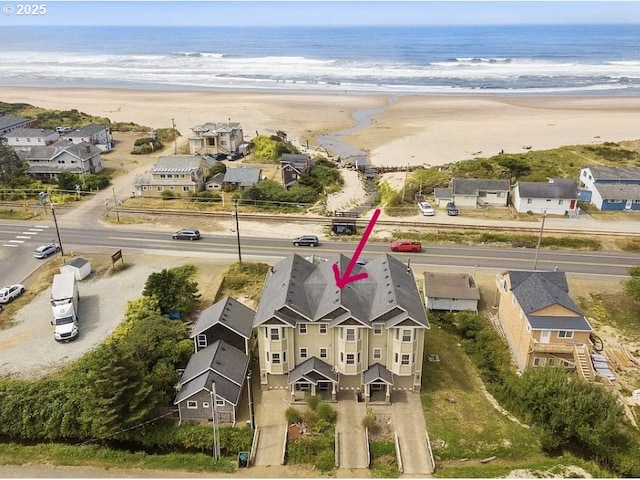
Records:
x=611, y=188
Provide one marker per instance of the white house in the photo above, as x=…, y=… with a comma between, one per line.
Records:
x=98, y=135
x=22, y=139
x=451, y=292
x=558, y=196
x=472, y=192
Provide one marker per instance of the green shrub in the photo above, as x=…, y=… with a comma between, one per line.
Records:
x=312, y=402
x=167, y=195
x=325, y=462
x=369, y=421
x=326, y=412
x=292, y=415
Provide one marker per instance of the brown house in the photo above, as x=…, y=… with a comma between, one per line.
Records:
x=293, y=167
x=541, y=323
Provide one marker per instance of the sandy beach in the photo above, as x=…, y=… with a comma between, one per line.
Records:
x=413, y=130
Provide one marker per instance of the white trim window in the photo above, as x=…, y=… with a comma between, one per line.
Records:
x=377, y=353
x=377, y=329
x=304, y=352
x=202, y=340
x=565, y=334
x=322, y=329
x=407, y=335
x=192, y=404
x=351, y=359
x=539, y=361
x=275, y=333
x=220, y=402
x=350, y=334
x=275, y=358
x=302, y=328
x=406, y=359
x=324, y=353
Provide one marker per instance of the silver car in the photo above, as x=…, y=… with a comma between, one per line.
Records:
x=45, y=250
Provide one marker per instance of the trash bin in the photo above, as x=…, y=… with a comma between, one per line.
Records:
x=243, y=460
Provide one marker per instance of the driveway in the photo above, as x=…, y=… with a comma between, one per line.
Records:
x=353, y=444
x=270, y=406
x=408, y=421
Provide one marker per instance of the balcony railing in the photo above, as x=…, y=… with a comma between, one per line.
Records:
x=538, y=347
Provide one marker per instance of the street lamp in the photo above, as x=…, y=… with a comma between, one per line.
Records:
x=535, y=261
x=55, y=221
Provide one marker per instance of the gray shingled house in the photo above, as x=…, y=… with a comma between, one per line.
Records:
x=227, y=320
x=294, y=166
x=317, y=339
x=472, y=192
x=242, y=177
x=217, y=374
x=450, y=291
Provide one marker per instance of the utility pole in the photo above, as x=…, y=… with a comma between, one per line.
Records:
x=175, y=138
x=216, y=431
x=535, y=262
x=235, y=207
x=252, y=421
x=55, y=221
x=115, y=203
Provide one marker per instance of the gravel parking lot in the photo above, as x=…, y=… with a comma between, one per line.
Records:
x=28, y=347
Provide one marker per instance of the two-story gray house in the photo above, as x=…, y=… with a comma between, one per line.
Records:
x=317, y=339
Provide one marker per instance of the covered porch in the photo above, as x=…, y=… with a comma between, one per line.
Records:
x=378, y=382
x=313, y=377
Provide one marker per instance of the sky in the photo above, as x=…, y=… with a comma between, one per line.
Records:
x=314, y=13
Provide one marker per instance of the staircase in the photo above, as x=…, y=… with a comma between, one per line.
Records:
x=583, y=362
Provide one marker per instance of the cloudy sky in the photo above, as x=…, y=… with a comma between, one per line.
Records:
x=303, y=13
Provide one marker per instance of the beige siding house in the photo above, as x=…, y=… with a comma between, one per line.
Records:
x=212, y=138
x=181, y=174
x=541, y=323
x=317, y=339
x=450, y=291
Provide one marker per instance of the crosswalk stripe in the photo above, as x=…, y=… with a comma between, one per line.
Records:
x=9, y=245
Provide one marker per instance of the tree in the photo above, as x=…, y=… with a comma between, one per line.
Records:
x=218, y=167
x=173, y=289
x=118, y=393
x=13, y=170
x=517, y=167
x=632, y=285
x=68, y=180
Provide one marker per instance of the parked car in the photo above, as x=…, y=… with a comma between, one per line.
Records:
x=9, y=293
x=44, y=251
x=426, y=209
x=306, y=241
x=234, y=156
x=405, y=245
x=187, y=234
x=452, y=209
x=220, y=156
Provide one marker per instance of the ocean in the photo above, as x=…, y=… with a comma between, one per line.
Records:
x=481, y=60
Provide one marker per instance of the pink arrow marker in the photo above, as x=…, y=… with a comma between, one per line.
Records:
x=343, y=281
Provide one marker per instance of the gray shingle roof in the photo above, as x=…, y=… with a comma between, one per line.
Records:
x=9, y=120
x=300, y=289
x=219, y=362
x=548, y=322
x=234, y=315
x=83, y=150
x=177, y=164
x=86, y=131
x=294, y=157
x=442, y=193
x=537, y=290
x=376, y=373
x=618, y=191
x=30, y=132
x=211, y=129
x=615, y=173
x=472, y=186
x=450, y=285
x=312, y=370
x=563, y=188
x=245, y=176
x=77, y=262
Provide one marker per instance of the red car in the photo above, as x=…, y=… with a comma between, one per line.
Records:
x=405, y=245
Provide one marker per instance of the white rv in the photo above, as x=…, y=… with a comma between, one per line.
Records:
x=64, y=303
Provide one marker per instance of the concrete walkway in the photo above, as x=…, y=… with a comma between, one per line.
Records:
x=408, y=421
x=353, y=443
x=270, y=406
